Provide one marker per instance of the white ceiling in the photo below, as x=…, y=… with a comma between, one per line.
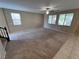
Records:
x=39, y=5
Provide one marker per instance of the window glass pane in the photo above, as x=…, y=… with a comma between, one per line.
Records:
x=16, y=18
x=68, y=20
x=50, y=19
x=54, y=19
x=61, y=19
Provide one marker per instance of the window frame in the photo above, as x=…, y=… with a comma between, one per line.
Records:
x=20, y=18
x=65, y=19
x=58, y=19
x=52, y=19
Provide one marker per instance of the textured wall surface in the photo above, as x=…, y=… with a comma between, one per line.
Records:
x=2, y=18
x=29, y=21
x=2, y=51
x=72, y=29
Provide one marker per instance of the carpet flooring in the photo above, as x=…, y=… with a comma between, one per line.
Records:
x=39, y=44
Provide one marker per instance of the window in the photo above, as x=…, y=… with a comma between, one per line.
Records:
x=52, y=19
x=61, y=19
x=16, y=18
x=68, y=19
x=65, y=19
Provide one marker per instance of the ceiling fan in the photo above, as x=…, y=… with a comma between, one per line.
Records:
x=46, y=10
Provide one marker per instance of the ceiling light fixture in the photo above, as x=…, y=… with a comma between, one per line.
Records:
x=47, y=11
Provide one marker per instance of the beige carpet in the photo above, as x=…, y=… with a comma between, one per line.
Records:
x=40, y=44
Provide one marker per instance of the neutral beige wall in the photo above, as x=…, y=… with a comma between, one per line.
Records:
x=55, y=26
x=29, y=21
x=72, y=29
x=2, y=19
x=2, y=51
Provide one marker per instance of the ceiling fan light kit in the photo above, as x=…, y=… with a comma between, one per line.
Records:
x=47, y=11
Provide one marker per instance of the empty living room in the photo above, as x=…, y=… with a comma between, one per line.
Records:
x=39, y=29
